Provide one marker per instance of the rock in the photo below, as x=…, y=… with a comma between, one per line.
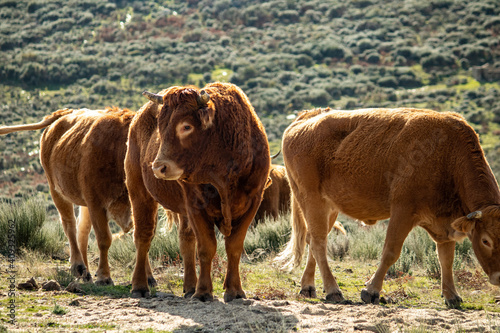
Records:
x=28, y=285
x=51, y=286
x=160, y=294
x=74, y=302
x=74, y=287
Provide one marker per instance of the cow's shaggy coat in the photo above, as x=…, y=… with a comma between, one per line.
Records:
x=204, y=156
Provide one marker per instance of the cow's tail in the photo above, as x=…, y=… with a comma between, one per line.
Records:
x=291, y=256
x=339, y=227
x=171, y=218
x=47, y=120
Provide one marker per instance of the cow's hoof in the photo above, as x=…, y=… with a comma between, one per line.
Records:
x=152, y=282
x=454, y=303
x=309, y=292
x=105, y=282
x=370, y=298
x=79, y=270
x=228, y=297
x=87, y=277
x=204, y=297
x=140, y=294
x=335, y=297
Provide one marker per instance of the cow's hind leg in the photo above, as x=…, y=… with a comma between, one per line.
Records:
x=103, y=236
x=307, y=285
x=68, y=220
x=399, y=226
x=446, y=254
x=84, y=227
x=317, y=214
x=307, y=282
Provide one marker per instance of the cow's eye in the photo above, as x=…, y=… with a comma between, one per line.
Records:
x=184, y=129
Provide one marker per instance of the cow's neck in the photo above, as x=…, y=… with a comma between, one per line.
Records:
x=476, y=183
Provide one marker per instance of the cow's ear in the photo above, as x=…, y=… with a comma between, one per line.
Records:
x=463, y=224
x=206, y=116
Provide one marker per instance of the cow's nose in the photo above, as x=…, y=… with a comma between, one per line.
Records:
x=160, y=169
x=167, y=170
x=495, y=278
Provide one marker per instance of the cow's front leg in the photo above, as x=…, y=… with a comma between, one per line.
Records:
x=234, y=249
x=207, y=246
x=446, y=254
x=145, y=222
x=187, y=244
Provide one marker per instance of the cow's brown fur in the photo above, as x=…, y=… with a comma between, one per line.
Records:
x=418, y=167
x=82, y=153
x=276, y=199
x=224, y=163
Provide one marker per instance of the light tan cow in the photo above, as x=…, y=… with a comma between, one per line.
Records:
x=418, y=167
x=82, y=153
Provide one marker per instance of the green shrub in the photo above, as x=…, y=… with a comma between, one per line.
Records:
x=28, y=219
x=268, y=237
x=367, y=242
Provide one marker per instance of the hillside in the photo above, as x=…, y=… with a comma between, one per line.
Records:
x=286, y=55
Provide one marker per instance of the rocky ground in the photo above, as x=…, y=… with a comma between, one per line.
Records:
x=171, y=313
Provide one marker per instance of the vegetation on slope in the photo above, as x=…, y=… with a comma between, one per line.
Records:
x=286, y=55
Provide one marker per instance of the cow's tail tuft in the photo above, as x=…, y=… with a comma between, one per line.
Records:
x=291, y=256
x=47, y=120
x=171, y=218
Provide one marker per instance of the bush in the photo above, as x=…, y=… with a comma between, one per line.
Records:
x=437, y=60
x=268, y=236
x=28, y=220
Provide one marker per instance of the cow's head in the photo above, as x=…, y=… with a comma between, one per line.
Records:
x=184, y=126
x=483, y=229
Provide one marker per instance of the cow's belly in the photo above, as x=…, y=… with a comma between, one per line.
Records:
x=360, y=208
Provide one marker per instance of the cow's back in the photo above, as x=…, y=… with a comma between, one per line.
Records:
x=82, y=154
x=364, y=160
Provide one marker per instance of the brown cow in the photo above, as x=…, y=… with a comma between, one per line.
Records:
x=82, y=153
x=205, y=156
x=418, y=167
x=276, y=199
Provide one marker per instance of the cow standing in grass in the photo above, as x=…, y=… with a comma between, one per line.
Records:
x=205, y=156
x=418, y=167
x=82, y=153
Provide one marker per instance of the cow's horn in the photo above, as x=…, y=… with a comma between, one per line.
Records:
x=475, y=215
x=203, y=98
x=153, y=97
x=276, y=155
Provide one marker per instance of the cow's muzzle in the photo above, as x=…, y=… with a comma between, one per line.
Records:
x=166, y=170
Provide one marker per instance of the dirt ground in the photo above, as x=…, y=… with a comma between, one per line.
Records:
x=167, y=312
